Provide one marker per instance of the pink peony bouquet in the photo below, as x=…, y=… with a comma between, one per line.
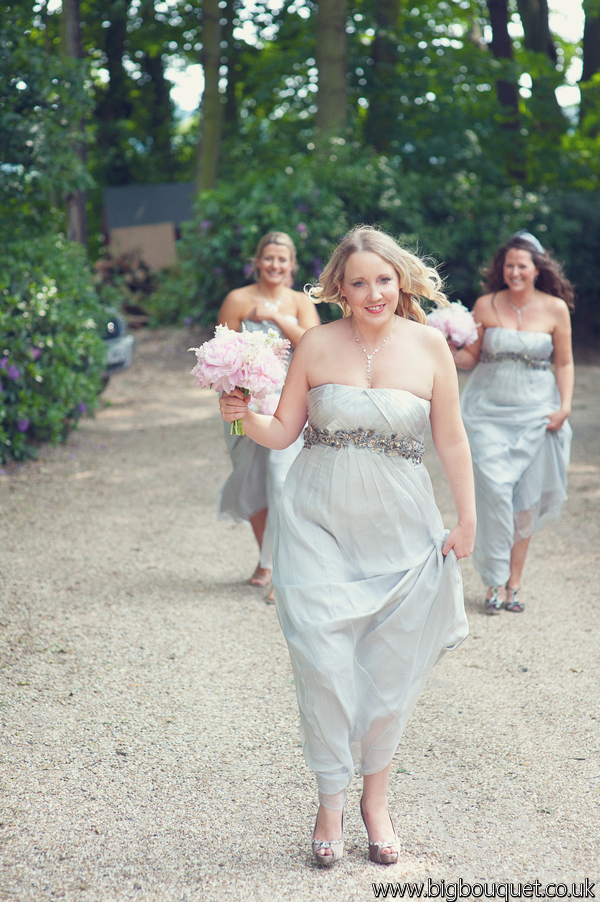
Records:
x=251, y=361
x=455, y=322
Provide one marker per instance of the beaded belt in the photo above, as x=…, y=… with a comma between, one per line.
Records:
x=534, y=363
x=408, y=448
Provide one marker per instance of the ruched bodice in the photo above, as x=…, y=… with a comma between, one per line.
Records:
x=520, y=467
x=535, y=344
x=386, y=411
x=366, y=600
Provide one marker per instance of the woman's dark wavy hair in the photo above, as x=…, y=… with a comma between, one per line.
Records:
x=550, y=279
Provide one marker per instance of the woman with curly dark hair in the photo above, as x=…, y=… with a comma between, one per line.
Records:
x=515, y=410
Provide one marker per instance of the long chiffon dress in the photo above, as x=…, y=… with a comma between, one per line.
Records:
x=520, y=468
x=366, y=600
x=256, y=481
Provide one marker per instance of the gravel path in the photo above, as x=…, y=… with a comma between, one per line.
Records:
x=150, y=742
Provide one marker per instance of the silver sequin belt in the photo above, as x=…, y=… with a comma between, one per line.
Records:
x=534, y=363
x=409, y=448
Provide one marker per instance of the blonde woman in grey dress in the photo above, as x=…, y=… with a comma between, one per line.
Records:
x=515, y=410
x=252, y=491
x=367, y=583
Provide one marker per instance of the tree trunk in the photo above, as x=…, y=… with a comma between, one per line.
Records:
x=212, y=108
x=330, y=54
x=589, y=111
x=230, y=113
x=160, y=113
x=383, y=100
x=547, y=115
x=507, y=91
x=534, y=16
x=76, y=202
x=114, y=107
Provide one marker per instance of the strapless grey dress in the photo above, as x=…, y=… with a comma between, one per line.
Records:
x=256, y=481
x=520, y=468
x=366, y=600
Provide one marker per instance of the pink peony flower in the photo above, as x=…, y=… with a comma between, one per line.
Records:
x=251, y=361
x=455, y=322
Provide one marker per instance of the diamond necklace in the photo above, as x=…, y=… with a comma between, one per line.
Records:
x=370, y=356
x=519, y=310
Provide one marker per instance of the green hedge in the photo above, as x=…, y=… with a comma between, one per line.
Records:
x=51, y=354
x=458, y=220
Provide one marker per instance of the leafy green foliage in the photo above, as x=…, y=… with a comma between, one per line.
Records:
x=42, y=100
x=51, y=354
x=459, y=221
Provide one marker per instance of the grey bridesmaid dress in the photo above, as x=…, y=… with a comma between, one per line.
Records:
x=520, y=468
x=366, y=600
x=258, y=474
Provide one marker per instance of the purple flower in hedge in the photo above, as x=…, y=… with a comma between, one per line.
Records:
x=82, y=407
x=23, y=425
x=302, y=208
x=205, y=224
x=317, y=265
x=218, y=270
x=188, y=321
x=1, y=389
x=301, y=228
x=35, y=353
x=12, y=372
x=248, y=267
x=3, y=363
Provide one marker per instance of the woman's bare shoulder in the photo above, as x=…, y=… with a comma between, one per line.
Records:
x=240, y=296
x=424, y=334
x=322, y=334
x=484, y=302
x=554, y=303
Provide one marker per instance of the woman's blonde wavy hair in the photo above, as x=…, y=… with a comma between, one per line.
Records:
x=416, y=278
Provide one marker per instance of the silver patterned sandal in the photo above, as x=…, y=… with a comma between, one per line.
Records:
x=319, y=848
x=515, y=604
x=494, y=604
x=375, y=848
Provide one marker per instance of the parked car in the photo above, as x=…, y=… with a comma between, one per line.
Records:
x=119, y=344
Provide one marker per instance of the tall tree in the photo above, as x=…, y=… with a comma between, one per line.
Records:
x=507, y=89
x=330, y=54
x=114, y=107
x=212, y=108
x=589, y=111
x=383, y=107
x=76, y=200
x=545, y=109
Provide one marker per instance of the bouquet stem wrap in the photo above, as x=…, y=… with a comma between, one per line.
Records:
x=253, y=362
x=237, y=427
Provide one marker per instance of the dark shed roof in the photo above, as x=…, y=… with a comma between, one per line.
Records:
x=133, y=205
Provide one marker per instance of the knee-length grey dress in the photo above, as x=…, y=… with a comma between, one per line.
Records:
x=366, y=600
x=520, y=468
x=258, y=474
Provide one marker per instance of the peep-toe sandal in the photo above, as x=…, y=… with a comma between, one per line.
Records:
x=319, y=848
x=375, y=848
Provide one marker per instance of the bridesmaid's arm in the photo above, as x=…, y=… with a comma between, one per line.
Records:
x=233, y=310
x=466, y=358
x=452, y=446
x=564, y=369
